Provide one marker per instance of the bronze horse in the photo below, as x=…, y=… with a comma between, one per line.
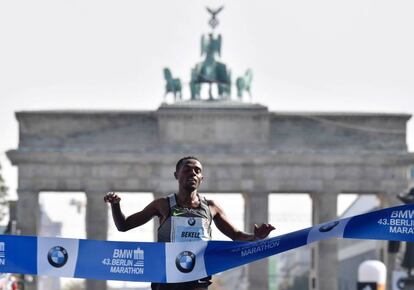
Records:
x=244, y=84
x=173, y=85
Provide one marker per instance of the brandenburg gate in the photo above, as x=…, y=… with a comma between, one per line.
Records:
x=244, y=149
x=243, y=146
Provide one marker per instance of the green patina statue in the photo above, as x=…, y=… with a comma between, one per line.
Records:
x=243, y=84
x=173, y=85
x=210, y=71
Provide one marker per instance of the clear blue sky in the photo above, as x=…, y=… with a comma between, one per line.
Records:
x=342, y=56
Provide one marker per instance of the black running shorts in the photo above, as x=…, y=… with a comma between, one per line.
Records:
x=202, y=283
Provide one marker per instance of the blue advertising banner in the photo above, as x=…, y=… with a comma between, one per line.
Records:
x=185, y=261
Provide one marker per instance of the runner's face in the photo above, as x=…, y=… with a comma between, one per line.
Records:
x=190, y=175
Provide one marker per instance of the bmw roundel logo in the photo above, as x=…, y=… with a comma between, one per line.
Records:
x=328, y=227
x=185, y=261
x=191, y=221
x=57, y=256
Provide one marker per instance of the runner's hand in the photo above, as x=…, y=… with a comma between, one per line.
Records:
x=112, y=198
x=262, y=231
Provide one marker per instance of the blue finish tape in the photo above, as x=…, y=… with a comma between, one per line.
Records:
x=179, y=262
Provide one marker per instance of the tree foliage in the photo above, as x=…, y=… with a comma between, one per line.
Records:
x=3, y=197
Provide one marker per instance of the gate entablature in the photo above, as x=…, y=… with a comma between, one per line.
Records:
x=222, y=127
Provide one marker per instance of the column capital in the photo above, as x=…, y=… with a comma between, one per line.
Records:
x=320, y=197
x=328, y=188
x=27, y=191
x=256, y=194
x=100, y=189
x=95, y=194
x=388, y=199
x=158, y=194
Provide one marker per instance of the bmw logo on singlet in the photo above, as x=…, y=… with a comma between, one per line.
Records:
x=191, y=221
x=185, y=261
x=57, y=256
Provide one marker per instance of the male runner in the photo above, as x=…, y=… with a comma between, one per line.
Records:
x=184, y=216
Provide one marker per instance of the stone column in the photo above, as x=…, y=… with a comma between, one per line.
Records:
x=156, y=219
x=256, y=212
x=28, y=212
x=388, y=199
x=324, y=254
x=96, y=227
x=28, y=220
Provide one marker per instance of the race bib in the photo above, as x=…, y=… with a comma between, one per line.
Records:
x=187, y=229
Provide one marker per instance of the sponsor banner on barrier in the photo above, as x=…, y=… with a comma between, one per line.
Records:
x=185, y=261
x=128, y=261
x=395, y=224
x=240, y=253
x=333, y=229
x=57, y=257
x=19, y=254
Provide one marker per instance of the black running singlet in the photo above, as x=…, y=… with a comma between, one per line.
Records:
x=186, y=224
